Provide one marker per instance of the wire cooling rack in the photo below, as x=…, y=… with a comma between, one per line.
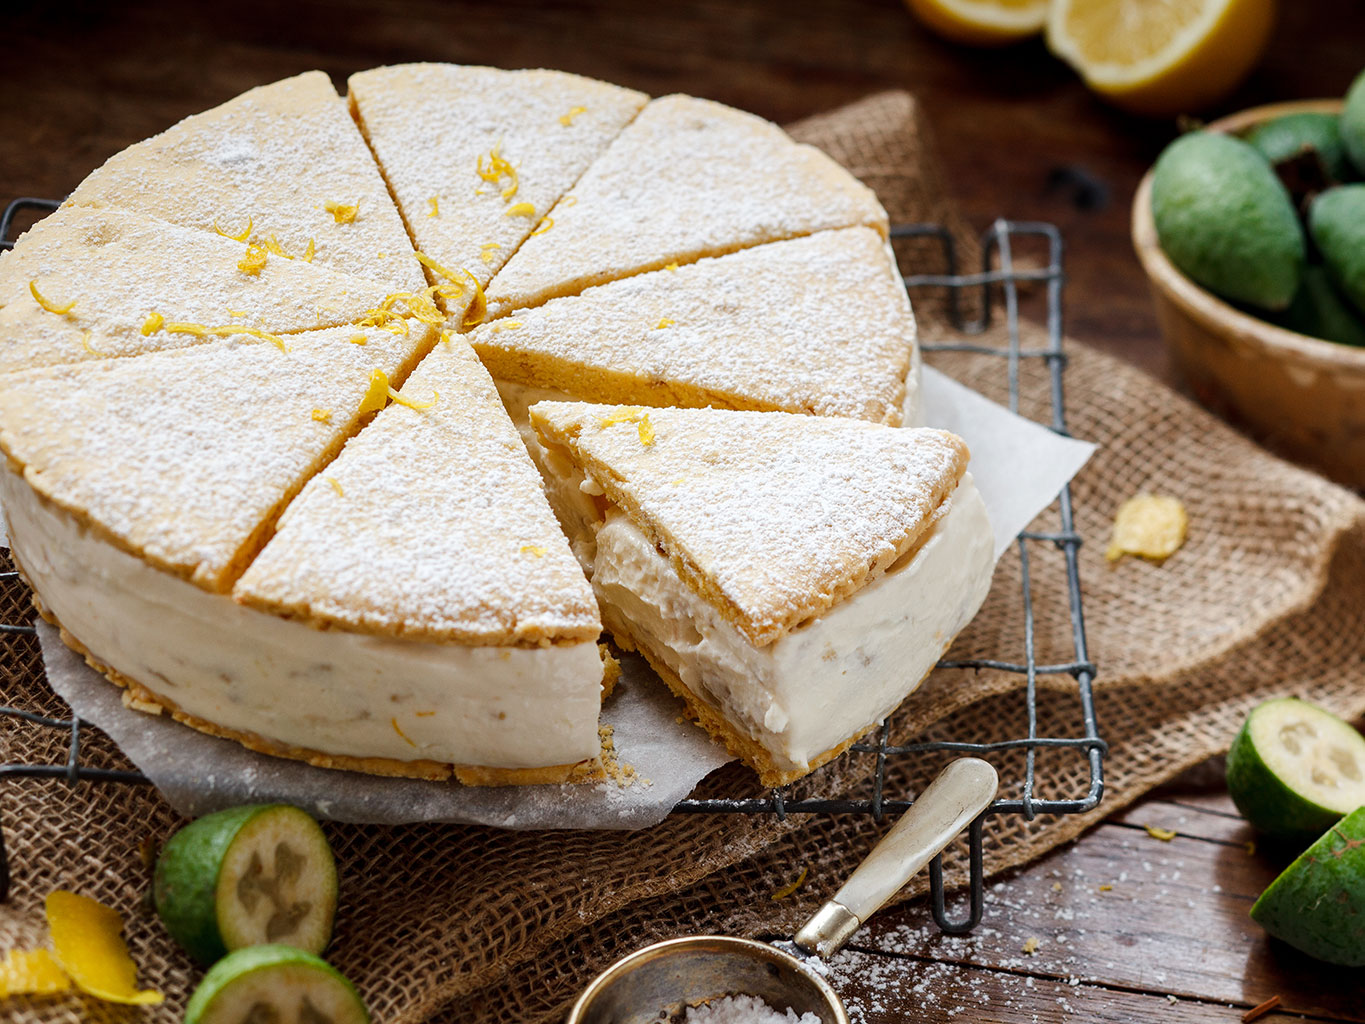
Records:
x=998, y=284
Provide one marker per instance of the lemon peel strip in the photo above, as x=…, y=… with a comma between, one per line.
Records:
x=478, y=309
x=48, y=304
x=567, y=119
x=378, y=394
x=520, y=210
x=790, y=888
x=545, y=225
x=87, y=943
x=254, y=260
x=402, y=399
x=31, y=972
x=342, y=213
x=246, y=233
x=152, y=324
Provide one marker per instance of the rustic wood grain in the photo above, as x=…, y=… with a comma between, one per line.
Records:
x=1020, y=137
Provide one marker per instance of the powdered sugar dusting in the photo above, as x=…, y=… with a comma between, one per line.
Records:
x=819, y=324
x=182, y=457
x=274, y=157
x=430, y=124
x=688, y=178
x=431, y=523
x=119, y=268
x=776, y=516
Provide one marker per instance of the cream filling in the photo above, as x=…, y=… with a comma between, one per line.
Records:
x=575, y=509
x=336, y=692
x=830, y=678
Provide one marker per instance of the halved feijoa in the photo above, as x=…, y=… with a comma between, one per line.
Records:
x=275, y=984
x=1294, y=769
x=1317, y=905
x=246, y=876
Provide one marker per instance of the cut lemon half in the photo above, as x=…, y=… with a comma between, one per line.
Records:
x=982, y=22
x=1161, y=57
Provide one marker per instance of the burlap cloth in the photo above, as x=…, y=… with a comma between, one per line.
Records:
x=472, y=924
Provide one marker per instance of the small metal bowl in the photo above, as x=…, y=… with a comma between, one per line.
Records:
x=658, y=983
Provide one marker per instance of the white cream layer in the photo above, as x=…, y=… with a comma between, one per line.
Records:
x=830, y=678
x=336, y=692
x=575, y=509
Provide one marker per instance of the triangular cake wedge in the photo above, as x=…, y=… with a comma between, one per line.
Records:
x=86, y=284
x=688, y=178
x=184, y=459
x=791, y=577
x=430, y=532
x=477, y=156
x=819, y=324
x=283, y=165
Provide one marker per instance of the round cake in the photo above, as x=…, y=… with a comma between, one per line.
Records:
x=268, y=398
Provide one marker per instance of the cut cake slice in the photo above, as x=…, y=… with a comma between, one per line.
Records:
x=87, y=283
x=431, y=528
x=819, y=324
x=687, y=178
x=476, y=156
x=184, y=458
x=791, y=577
x=283, y=165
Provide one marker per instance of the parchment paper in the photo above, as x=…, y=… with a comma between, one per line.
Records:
x=1018, y=465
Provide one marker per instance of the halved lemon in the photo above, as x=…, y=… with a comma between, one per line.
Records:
x=982, y=22
x=1161, y=57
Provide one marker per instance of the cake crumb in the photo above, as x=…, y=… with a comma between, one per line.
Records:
x=1031, y=946
x=620, y=772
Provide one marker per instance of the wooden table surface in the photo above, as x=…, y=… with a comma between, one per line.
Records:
x=1128, y=927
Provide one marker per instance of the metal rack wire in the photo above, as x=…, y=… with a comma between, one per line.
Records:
x=998, y=282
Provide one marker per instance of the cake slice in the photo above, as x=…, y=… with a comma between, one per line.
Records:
x=819, y=325
x=687, y=178
x=430, y=532
x=282, y=166
x=792, y=578
x=88, y=283
x=184, y=458
x=476, y=156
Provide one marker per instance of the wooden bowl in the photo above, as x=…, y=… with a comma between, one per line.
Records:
x=1301, y=395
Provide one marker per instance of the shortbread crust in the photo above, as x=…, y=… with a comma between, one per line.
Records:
x=819, y=324
x=432, y=127
x=687, y=178
x=184, y=458
x=283, y=161
x=136, y=284
x=431, y=524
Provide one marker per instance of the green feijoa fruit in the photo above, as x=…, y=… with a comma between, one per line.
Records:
x=1317, y=905
x=1224, y=218
x=274, y=985
x=1353, y=123
x=1337, y=222
x=1294, y=769
x=247, y=876
x=1319, y=311
x=1286, y=138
